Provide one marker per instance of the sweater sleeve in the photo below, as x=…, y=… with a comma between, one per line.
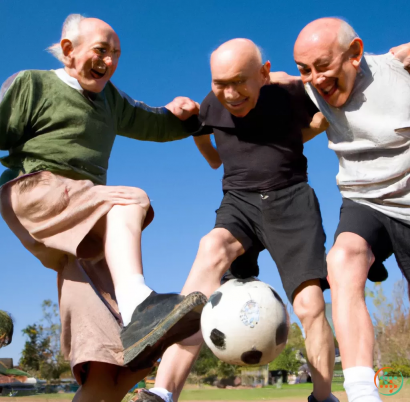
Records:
x=15, y=96
x=139, y=121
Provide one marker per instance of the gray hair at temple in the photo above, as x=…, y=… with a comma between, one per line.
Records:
x=71, y=31
x=346, y=34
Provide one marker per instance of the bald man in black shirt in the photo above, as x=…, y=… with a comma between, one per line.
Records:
x=259, y=132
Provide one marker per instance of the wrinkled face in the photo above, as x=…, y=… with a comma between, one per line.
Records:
x=94, y=59
x=328, y=68
x=237, y=85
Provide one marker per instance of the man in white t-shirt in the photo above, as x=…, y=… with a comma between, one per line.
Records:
x=366, y=100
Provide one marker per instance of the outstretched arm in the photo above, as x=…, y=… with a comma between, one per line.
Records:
x=402, y=53
x=208, y=151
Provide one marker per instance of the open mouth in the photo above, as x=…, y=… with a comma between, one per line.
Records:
x=330, y=89
x=97, y=74
x=238, y=103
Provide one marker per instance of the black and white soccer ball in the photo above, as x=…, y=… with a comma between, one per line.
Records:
x=245, y=322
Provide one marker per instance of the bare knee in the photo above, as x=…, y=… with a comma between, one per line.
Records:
x=219, y=249
x=308, y=303
x=349, y=261
x=141, y=198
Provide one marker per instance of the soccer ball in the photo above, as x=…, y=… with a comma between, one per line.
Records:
x=245, y=322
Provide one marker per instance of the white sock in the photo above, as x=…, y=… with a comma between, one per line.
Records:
x=359, y=385
x=162, y=393
x=130, y=295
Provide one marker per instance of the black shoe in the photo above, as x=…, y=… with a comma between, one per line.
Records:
x=330, y=398
x=377, y=272
x=145, y=395
x=157, y=323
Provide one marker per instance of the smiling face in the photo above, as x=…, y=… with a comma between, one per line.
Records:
x=93, y=59
x=238, y=75
x=328, y=66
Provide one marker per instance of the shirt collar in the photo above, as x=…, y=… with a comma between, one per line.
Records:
x=66, y=78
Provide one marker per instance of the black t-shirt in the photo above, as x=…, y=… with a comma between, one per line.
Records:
x=264, y=150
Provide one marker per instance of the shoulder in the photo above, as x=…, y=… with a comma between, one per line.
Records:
x=18, y=78
x=384, y=62
x=211, y=111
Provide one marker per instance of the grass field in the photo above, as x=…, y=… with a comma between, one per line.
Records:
x=288, y=393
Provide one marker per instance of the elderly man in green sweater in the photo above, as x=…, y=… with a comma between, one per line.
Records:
x=59, y=128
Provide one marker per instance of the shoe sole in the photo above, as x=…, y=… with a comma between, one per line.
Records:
x=180, y=324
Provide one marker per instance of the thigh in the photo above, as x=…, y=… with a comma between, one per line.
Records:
x=238, y=217
x=368, y=224
x=400, y=237
x=292, y=232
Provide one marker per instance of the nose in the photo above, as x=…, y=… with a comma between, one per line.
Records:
x=318, y=78
x=230, y=92
x=108, y=61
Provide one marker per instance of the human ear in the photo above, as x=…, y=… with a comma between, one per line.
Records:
x=265, y=70
x=356, y=52
x=66, y=46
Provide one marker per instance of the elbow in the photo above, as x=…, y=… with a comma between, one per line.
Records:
x=215, y=165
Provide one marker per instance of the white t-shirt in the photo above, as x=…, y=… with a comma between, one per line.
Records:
x=370, y=134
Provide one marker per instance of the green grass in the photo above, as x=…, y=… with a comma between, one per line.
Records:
x=256, y=394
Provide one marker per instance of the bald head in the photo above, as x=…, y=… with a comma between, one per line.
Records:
x=88, y=27
x=328, y=53
x=238, y=75
x=332, y=31
x=238, y=51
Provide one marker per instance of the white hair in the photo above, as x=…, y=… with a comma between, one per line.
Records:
x=71, y=31
x=346, y=34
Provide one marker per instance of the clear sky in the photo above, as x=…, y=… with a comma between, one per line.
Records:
x=165, y=52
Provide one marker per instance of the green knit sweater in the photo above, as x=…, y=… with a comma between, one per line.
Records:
x=48, y=124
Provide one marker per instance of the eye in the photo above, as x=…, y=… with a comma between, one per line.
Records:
x=101, y=50
x=304, y=70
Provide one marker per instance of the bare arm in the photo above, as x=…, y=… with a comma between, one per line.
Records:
x=317, y=126
x=402, y=53
x=208, y=151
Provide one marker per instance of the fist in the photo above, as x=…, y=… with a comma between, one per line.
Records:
x=402, y=53
x=319, y=122
x=183, y=108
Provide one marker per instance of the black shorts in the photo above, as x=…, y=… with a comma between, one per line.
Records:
x=385, y=235
x=287, y=223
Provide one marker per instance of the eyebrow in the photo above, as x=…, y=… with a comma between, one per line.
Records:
x=300, y=64
x=232, y=79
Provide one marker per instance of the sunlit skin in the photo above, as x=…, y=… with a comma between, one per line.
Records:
x=324, y=63
x=238, y=75
x=94, y=58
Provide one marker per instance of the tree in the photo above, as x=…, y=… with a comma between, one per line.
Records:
x=41, y=353
x=287, y=360
x=392, y=328
x=6, y=329
x=206, y=364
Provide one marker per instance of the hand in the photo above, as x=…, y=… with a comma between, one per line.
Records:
x=183, y=107
x=317, y=126
x=319, y=122
x=280, y=77
x=402, y=53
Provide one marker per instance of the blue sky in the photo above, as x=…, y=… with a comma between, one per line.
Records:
x=165, y=51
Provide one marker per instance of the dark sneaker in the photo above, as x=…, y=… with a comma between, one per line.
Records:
x=377, y=272
x=157, y=323
x=145, y=395
x=311, y=398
